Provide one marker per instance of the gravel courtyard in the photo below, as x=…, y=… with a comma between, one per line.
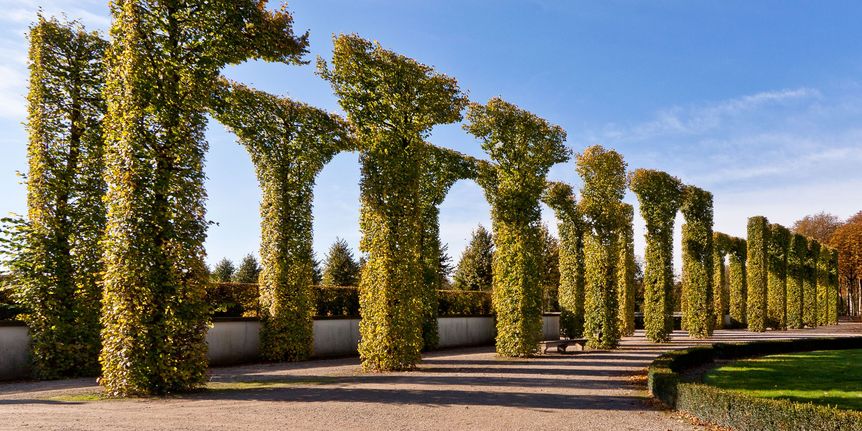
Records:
x=451, y=390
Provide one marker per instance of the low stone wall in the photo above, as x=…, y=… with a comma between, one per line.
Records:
x=236, y=340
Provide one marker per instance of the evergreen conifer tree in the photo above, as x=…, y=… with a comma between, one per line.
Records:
x=474, y=269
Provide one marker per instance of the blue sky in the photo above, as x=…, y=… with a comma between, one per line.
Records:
x=757, y=102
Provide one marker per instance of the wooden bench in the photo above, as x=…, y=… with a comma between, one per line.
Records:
x=562, y=344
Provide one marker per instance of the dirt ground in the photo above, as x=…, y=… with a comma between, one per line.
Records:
x=452, y=390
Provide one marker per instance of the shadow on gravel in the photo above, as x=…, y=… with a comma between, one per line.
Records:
x=431, y=398
x=32, y=401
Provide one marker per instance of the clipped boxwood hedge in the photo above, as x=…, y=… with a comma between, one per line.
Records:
x=242, y=300
x=744, y=412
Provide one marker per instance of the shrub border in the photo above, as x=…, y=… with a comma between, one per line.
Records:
x=744, y=412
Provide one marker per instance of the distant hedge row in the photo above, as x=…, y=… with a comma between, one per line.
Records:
x=742, y=412
x=242, y=300
x=790, y=279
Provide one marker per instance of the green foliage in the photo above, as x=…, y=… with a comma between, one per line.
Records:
x=54, y=256
x=248, y=271
x=522, y=147
x=697, y=262
x=721, y=294
x=604, y=175
x=464, y=303
x=550, y=271
x=810, y=301
x=336, y=301
x=289, y=143
x=660, y=196
x=737, y=280
x=823, y=288
x=162, y=65
x=223, y=271
x=561, y=199
x=626, y=273
x=233, y=299
x=738, y=411
x=797, y=253
x=339, y=266
x=442, y=168
x=393, y=102
x=758, y=240
x=474, y=269
x=10, y=308
x=776, y=289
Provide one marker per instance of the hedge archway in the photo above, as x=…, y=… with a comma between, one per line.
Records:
x=522, y=147
x=393, y=102
x=289, y=143
x=604, y=175
x=697, y=262
x=441, y=170
x=660, y=197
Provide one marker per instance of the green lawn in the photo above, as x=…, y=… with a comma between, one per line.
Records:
x=829, y=377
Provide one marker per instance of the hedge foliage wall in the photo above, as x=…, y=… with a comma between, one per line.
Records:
x=626, y=273
x=721, y=245
x=697, y=262
x=823, y=288
x=523, y=147
x=442, y=168
x=570, y=228
x=737, y=281
x=758, y=241
x=834, y=287
x=604, y=175
x=393, y=102
x=809, y=285
x=776, y=288
x=289, y=143
x=161, y=66
x=660, y=197
x=797, y=252
x=57, y=265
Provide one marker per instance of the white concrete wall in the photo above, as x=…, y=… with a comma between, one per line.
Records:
x=238, y=341
x=233, y=342
x=465, y=331
x=14, y=352
x=335, y=337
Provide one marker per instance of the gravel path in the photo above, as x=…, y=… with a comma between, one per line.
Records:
x=452, y=390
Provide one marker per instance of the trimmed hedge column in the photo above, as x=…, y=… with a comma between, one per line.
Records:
x=720, y=297
x=441, y=170
x=697, y=262
x=776, y=289
x=163, y=62
x=57, y=268
x=604, y=175
x=833, y=284
x=796, y=256
x=736, y=280
x=289, y=143
x=824, y=291
x=523, y=147
x=660, y=196
x=758, y=239
x=393, y=102
x=626, y=273
x=809, y=285
x=561, y=199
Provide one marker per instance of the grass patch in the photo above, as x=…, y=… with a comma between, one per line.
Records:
x=826, y=377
